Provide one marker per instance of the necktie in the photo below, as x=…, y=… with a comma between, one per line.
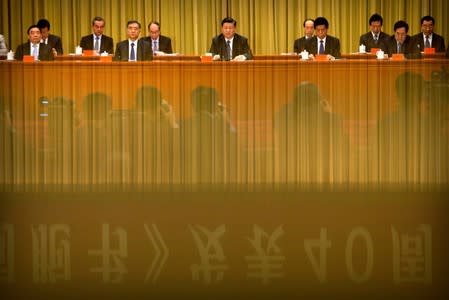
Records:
x=96, y=46
x=399, y=48
x=35, y=53
x=427, y=45
x=132, y=56
x=321, y=47
x=228, y=50
x=375, y=39
x=155, y=47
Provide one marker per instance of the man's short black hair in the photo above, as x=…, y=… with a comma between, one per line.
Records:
x=400, y=24
x=31, y=27
x=428, y=18
x=228, y=20
x=321, y=21
x=97, y=18
x=376, y=18
x=133, y=22
x=43, y=23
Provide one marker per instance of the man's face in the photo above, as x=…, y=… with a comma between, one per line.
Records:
x=400, y=34
x=375, y=27
x=98, y=28
x=44, y=32
x=133, y=31
x=228, y=30
x=321, y=31
x=154, y=31
x=308, y=28
x=35, y=35
x=427, y=27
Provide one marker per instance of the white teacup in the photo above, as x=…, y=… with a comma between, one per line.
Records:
x=362, y=49
x=380, y=54
x=78, y=50
x=304, y=55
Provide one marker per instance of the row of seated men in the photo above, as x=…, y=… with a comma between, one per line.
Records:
x=231, y=46
x=147, y=144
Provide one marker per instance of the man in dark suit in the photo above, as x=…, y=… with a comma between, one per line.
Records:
x=52, y=40
x=229, y=45
x=159, y=43
x=375, y=38
x=322, y=43
x=133, y=49
x=34, y=47
x=401, y=42
x=427, y=38
x=98, y=41
x=300, y=43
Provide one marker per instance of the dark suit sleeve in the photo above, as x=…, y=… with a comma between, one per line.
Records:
x=118, y=53
x=58, y=44
x=19, y=53
x=167, y=45
x=45, y=53
x=214, y=49
x=107, y=44
x=84, y=43
x=246, y=50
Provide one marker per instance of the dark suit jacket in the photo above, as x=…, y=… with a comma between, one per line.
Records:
x=239, y=46
x=437, y=42
x=107, y=43
x=144, y=52
x=300, y=44
x=54, y=41
x=164, y=43
x=409, y=48
x=332, y=46
x=368, y=40
x=45, y=52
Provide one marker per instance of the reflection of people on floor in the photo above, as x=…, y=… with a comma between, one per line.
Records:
x=209, y=140
x=400, y=132
x=309, y=141
x=94, y=140
x=62, y=122
x=155, y=138
x=434, y=164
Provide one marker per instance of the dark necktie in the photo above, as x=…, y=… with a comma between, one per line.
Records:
x=427, y=45
x=96, y=48
x=132, y=56
x=376, y=38
x=399, y=48
x=228, y=50
x=321, y=47
x=155, y=47
x=35, y=53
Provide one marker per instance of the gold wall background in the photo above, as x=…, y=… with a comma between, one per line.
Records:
x=271, y=25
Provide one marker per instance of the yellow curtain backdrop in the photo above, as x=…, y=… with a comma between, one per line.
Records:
x=270, y=25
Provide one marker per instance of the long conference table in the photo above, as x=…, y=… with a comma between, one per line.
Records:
x=359, y=91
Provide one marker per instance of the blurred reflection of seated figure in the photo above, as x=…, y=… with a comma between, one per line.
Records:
x=309, y=140
x=155, y=139
x=94, y=140
x=400, y=132
x=62, y=122
x=209, y=140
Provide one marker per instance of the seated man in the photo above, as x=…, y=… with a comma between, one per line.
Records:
x=52, y=40
x=159, y=43
x=375, y=38
x=300, y=43
x=401, y=42
x=34, y=47
x=229, y=45
x=98, y=41
x=133, y=49
x=322, y=43
x=3, y=48
x=427, y=38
